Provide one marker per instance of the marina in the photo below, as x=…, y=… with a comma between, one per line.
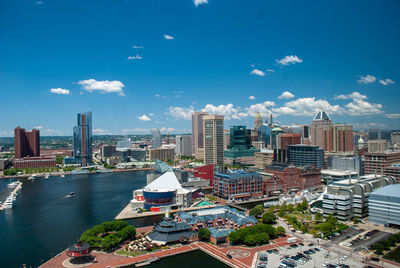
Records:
x=9, y=195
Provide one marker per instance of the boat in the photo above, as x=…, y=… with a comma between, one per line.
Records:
x=79, y=171
x=12, y=184
x=104, y=170
x=71, y=194
x=46, y=176
x=62, y=176
x=32, y=178
x=9, y=203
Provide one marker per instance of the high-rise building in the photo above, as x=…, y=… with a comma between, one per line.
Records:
x=283, y=141
x=264, y=135
x=275, y=132
x=163, y=154
x=338, y=138
x=302, y=155
x=373, y=134
x=341, y=162
x=213, y=126
x=378, y=146
x=83, y=139
x=198, y=134
x=184, y=145
x=321, y=120
x=240, y=143
x=26, y=143
x=377, y=163
x=395, y=138
x=156, y=138
x=124, y=143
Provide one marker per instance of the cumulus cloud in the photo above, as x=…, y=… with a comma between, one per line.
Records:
x=369, y=125
x=227, y=110
x=286, y=95
x=144, y=118
x=386, y=82
x=200, y=2
x=137, y=57
x=367, y=79
x=362, y=107
x=136, y=130
x=61, y=91
x=168, y=37
x=106, y=86
x=38, y=127
x=308, y=107
x=137, y=47
x=257, y=72
x=100, y=131
x=181, y=112
x=354, y=96
x=291, y=59
x=151, y=114
x=252, y=98
x=262, y=108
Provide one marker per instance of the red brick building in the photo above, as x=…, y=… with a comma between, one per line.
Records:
x=238, y=185
x=293, y=178
x=338, y=138
x=26, y=143
x=381, y=163
x=35, y=162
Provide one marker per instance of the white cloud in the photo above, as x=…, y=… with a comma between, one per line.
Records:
x=362, y=107
x=257, y=72
x=386, y=82
x=369, y=125
x=270, y=71
x=160, y=96
x=392, y=116
x=354, y=96
x=168, y=37
x=137, y=57
x=308, y=107
x=262, y=108
x=291, y=59
x=38, y=127
x=106, y=86
x=39, y=2
x=61, y=91
x=167, y=129
x=200, y=2
x=227, y=110
x=252, y=98
x=151, y=114
x=51, y=132
x=100, y=131
x=181, y=112
x=286, y=95
x=367, y=79
x=138, y=47
x=144, y=118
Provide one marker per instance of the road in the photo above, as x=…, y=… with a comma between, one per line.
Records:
x=336, y=248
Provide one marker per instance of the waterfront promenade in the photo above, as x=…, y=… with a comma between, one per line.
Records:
x=242, y=257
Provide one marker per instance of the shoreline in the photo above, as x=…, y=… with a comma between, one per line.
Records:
x=22, y=176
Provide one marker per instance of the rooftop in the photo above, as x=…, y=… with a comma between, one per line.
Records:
x=166, y=181
x=392, y=190
x=321, y=115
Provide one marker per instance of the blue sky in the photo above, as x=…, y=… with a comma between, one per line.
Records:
x=140, y=64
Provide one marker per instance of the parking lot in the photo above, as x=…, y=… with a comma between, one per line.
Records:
x=360, y=243
x=321, y=258
x=346, y=234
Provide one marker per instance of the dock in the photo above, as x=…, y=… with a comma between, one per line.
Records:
x=127, y=213
x=7, y=193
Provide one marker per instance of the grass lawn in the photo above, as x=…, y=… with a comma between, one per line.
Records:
x=300, y=216
x=394, y=255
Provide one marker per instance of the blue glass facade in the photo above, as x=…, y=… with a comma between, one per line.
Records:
x=264, y=134
x=82, y=139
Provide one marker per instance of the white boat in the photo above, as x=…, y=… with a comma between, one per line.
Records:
x=12, y=184
x=71, y=194
x=79, y=171
x=62, y=176
x=46, y=176
x=32, y=178
x=9, y=203
x=104, y=170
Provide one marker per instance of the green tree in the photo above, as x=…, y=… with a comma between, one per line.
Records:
x=204, y=234
x=356, y=220
x=304, y=204
x=269, y=218
x=59, y=160
x=257, y=211
x=280, y=230
x=319, y=217
x=290, y=207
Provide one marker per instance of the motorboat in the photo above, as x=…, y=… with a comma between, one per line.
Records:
x=71, y=194
x=62, y=176
x=9, y=203
x=46, y=176
x=32, y=178
x=79, y=171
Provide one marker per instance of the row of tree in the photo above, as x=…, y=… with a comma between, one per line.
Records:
x=386, y=244
x=14, y=171
x=108, y=235
x=255, y=235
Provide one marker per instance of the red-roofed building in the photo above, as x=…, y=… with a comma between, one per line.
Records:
x=205, y=172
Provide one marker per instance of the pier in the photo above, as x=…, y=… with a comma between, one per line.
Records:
x=7, y=193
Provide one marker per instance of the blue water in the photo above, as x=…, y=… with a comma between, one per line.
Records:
x=43, y=221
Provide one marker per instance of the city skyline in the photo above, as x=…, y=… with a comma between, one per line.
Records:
x=168, y=59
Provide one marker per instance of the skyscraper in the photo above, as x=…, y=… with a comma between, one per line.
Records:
x=26, y=143
x=321, y=120
x=197, y=134
x=184, y=145
x=83, y=139
x=213, y=126
x=156, y=139
x=338, y=138
x=257, y=121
